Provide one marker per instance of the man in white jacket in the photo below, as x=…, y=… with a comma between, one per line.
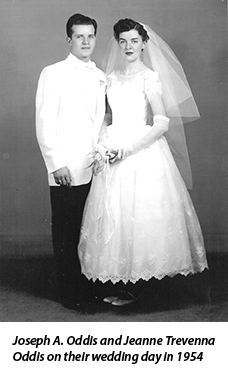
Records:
x=70, y=106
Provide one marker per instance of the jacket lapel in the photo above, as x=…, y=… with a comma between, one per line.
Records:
x=92, y=94
x=94, y=100
x=100, y=109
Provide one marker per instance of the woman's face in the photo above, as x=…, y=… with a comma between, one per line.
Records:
x=131, y=45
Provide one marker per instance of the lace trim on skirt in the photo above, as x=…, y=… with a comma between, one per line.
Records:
x=146, y=275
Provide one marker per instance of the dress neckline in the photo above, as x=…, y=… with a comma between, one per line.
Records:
x=132, y=74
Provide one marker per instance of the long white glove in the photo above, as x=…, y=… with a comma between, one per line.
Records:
x=160, y=126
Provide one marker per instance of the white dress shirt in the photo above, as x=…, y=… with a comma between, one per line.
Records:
x=70, y=107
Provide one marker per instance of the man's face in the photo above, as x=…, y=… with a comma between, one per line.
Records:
x=82, y=42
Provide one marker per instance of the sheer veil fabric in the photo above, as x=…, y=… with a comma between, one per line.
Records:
x=177, y=96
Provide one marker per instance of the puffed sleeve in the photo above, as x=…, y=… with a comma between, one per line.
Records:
x=152, y=84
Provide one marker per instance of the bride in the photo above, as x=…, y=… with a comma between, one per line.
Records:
x=139, y=221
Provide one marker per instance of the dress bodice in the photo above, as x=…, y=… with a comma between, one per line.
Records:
x=129, y=97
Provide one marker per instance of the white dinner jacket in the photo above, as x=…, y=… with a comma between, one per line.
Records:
x=70, y=107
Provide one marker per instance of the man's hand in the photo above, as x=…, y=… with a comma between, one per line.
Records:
x=62, y=176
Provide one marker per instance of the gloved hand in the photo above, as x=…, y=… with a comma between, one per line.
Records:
x=160, y=126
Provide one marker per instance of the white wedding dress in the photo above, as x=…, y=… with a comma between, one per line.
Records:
x=139, y=221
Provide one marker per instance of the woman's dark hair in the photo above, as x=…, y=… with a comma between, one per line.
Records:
x=128, y=24
x=79, y=19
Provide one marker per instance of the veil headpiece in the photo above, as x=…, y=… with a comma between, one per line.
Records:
x=177, y=96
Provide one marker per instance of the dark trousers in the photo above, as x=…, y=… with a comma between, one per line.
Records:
x=67, y=209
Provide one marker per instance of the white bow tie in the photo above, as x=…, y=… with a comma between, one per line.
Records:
x=90, y=65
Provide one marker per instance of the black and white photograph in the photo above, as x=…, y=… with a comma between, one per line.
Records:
x=114, y=161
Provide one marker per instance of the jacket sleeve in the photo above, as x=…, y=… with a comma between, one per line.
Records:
x=47, y=106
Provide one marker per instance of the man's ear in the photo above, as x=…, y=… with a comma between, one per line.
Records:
x=69, y=41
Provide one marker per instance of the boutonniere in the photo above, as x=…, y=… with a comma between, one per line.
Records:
x=102, y=82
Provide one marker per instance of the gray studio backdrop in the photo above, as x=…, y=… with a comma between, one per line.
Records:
x=32, y=35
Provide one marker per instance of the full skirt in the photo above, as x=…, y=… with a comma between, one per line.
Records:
x=139, y=221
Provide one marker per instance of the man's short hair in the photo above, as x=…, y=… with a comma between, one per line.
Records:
x=79, y=19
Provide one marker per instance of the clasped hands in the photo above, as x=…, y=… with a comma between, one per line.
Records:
x=63, y=177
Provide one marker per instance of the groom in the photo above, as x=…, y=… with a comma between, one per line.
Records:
x=70, y=106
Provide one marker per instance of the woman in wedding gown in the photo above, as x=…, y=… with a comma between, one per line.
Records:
x=139, y=221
